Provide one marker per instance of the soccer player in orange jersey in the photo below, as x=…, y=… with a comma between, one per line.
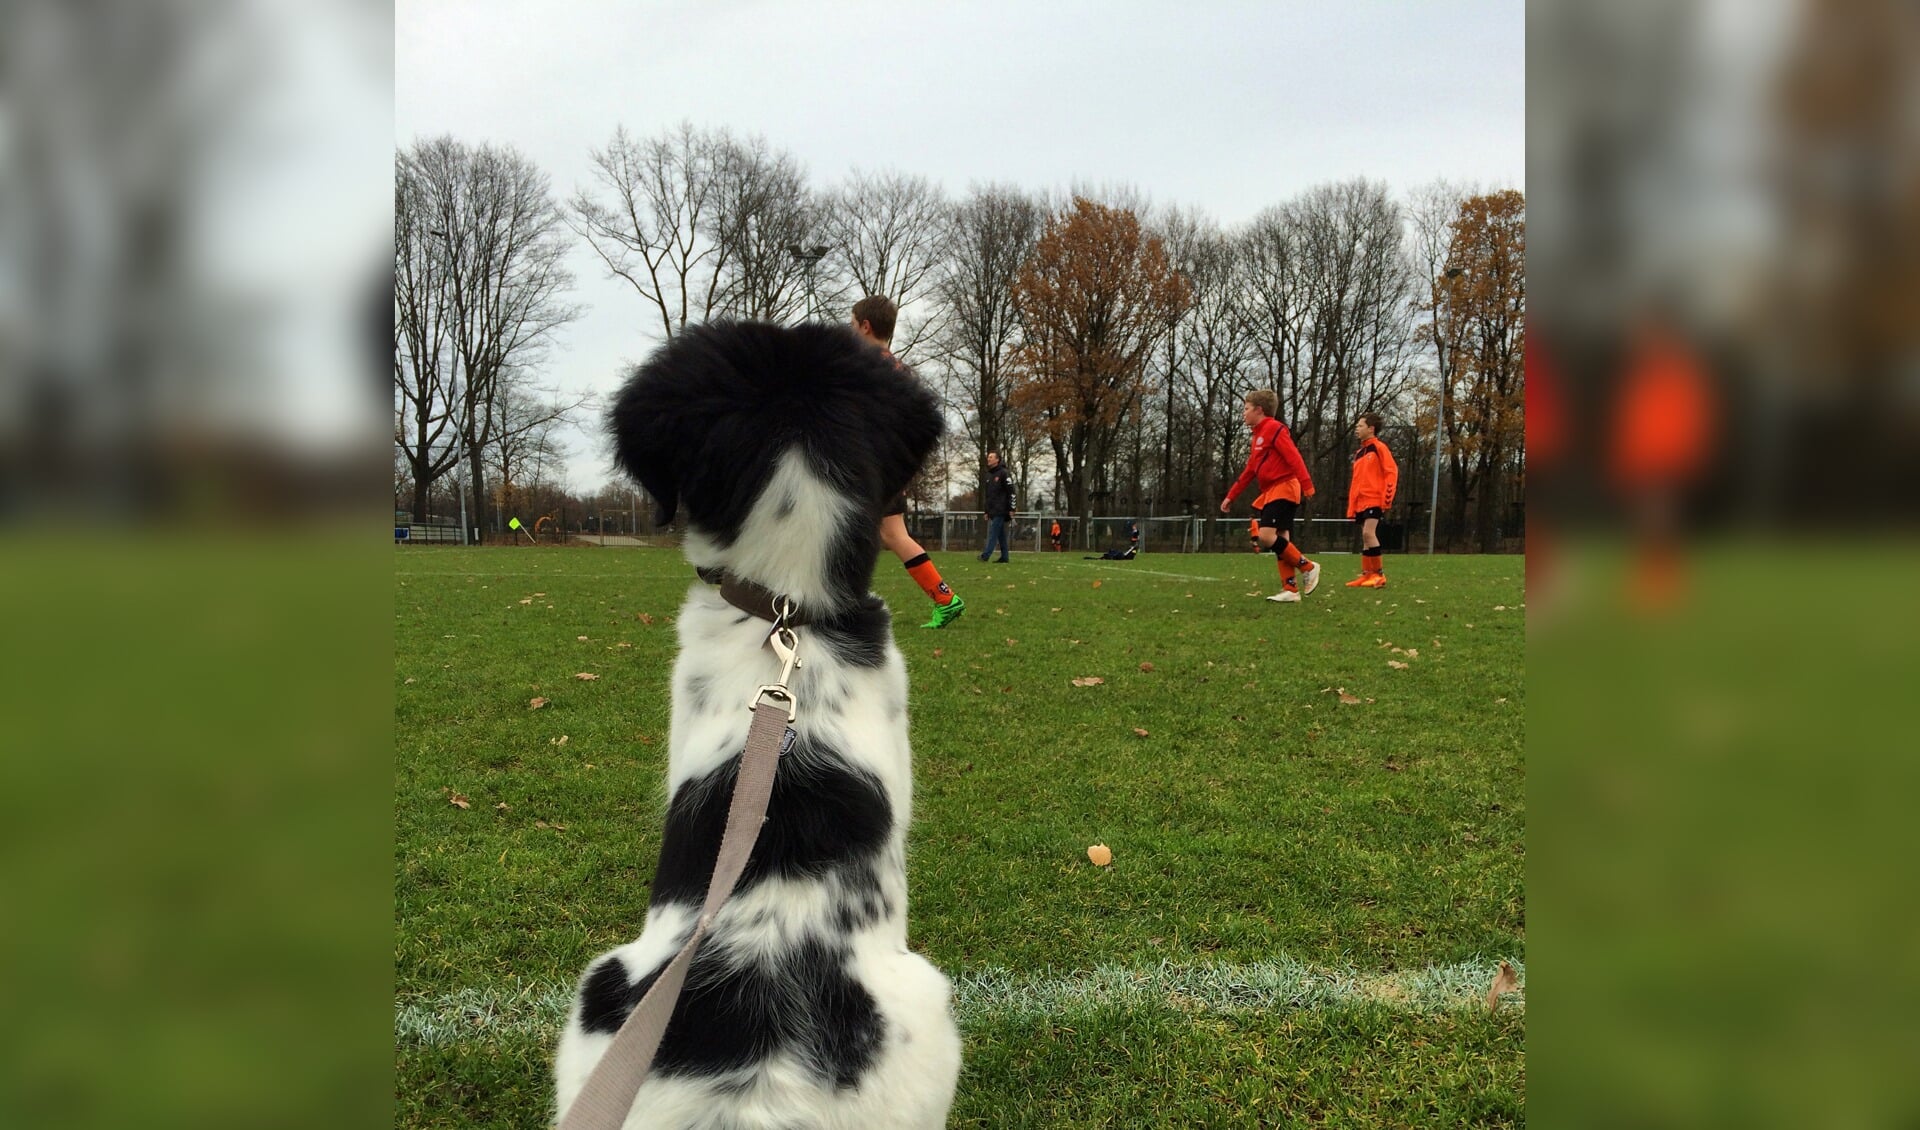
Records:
x=873, y=319
x=1284, y=484
x=1375, y=477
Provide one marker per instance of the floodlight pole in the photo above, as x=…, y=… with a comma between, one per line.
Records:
x=808, y=258
x=1440, y=411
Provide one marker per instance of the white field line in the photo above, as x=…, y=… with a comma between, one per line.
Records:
x=1130, y=569
x=493, y=573
x=981, y=996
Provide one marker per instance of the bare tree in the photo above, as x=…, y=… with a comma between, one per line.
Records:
x=885, y=232
x=1430, y=210
x=427, y=388
x=525, y=446
x=651, y=219
x=1219, y=348
x=763, y=212
x=492, y=217
x=989, y=236
x=1328, y=304
x=700, y=223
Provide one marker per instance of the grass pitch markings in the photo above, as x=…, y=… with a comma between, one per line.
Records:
x=1151, y=572
x=995, y=994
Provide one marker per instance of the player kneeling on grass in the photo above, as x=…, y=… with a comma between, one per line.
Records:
x=1284, y=485
x=1375, y=477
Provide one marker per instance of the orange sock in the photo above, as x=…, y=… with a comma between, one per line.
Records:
x=928, y=578
x=1286, y=573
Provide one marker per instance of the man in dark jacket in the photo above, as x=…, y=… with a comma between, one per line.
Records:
x=996, y=495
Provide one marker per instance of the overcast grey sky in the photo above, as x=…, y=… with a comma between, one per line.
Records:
x=1228, y=107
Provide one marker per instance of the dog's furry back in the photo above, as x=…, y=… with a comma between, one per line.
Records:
x=804, y=1007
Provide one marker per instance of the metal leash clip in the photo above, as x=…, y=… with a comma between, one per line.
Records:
x=785, y=644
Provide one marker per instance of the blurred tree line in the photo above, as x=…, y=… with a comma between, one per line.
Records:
x=1100, y=344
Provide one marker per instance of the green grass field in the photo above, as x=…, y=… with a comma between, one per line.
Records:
x=1308, y=899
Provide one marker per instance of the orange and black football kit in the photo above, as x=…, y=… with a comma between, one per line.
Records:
x=1276, y=465
x=1375, y=478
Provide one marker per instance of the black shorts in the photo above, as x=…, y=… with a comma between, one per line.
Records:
x=1277, y=515
x=897, y=506
x=1370, y=512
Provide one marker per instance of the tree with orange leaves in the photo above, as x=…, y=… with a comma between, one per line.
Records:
x=1482, y=314
x=1093, y=300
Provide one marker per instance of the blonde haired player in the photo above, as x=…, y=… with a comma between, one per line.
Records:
x=1284, y=484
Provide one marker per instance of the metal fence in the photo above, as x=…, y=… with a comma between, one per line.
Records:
x=955, y=530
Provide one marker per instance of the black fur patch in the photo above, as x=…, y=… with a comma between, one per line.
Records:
x=606, y=997
x=859, y=636
x=823, y=814
x=731, y=1017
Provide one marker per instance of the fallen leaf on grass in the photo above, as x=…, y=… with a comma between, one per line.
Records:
x=409, y=681
x=1504, y=982
x=528, y=600
x=1146, y=666
x=1011, y=641
x=539, y=594
x=459, y=801
x=1499, y=608
x=1100, y=855
x=1096, y=584
x=1055, y=610
x=503, y=806
x=1138, y=732
x=1350, y=700
x=585, y=676
x=1396, y=665
x=561, y=740
x=938, y=652
x=623, y=643
x=1413, y=653
x=582, y=639
x=1088, y=681
x=643, y=618
x=535, y=704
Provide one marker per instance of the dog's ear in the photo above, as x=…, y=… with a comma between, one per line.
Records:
x=916, y=424
x=645, y=443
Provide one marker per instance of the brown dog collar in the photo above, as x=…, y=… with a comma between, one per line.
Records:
x=756, y=600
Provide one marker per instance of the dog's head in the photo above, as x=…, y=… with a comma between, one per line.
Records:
x=782, y=445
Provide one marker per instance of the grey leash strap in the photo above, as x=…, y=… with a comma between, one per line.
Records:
x=607, y=1098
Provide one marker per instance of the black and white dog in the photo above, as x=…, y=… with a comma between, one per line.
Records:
x=803, y=1007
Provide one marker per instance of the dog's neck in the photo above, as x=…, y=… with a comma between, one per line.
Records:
x=757, y=600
